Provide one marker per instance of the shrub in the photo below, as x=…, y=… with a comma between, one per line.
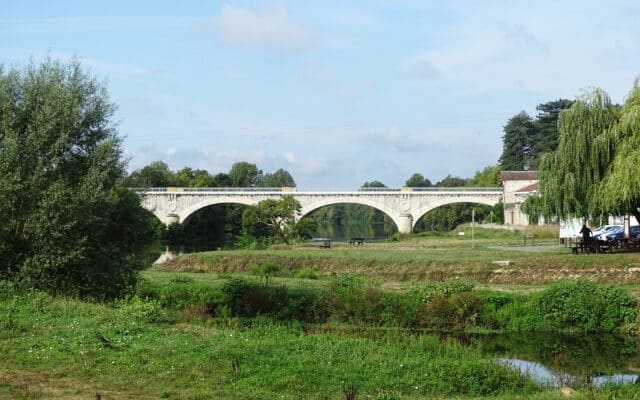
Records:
x=585, y=305
x=307, y=273
x=269, y=269
x=139, y=310
x=429, y=289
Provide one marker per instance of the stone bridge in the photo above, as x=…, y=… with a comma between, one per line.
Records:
x=404, y=206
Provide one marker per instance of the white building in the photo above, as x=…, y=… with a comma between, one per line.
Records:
x=517, y=186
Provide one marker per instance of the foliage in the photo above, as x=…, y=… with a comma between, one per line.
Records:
x=619, y=190
x=446, y=218
x=68, y=227
x=584, y=305
x=272, y=216
x=426, y=291
x=280, y=178
x=452, y=181
x=244, y=174
x=594, y=171
x=546, y=128
x=104, y=347
x=140, y=310
x=487, y=177
x=417, y=180
x=373, y=184
x=517, y=149
x=570, y=175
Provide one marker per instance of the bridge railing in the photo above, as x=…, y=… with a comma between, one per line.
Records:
x=454, y=189
x=292, y=190
x=434, y=189
x=211, y=189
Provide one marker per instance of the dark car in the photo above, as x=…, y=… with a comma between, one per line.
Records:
x=615, y=237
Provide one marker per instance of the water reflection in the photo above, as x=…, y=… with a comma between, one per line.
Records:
x=343, y=233
x=546, y=377
x=557, y=360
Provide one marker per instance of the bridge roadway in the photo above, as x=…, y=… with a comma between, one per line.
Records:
x=404, y=206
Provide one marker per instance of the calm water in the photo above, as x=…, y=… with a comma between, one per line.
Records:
x=565, y=360
x=343, y=233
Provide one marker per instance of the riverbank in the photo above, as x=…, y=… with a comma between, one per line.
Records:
x=303, y=322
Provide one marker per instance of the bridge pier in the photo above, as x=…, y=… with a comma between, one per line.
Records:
x=405, y=224
x=170, y=218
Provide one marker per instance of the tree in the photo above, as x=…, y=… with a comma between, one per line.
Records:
x=619, y=191
x=451, y=181
x=417, y=180
x=373, y=184
x=517, y=148
x=244, y=174
x=156, y=174
x=280, y=178
x=546, y=128
x=276, y=216
x=488, y=177
x=68, y=226
x=570, y=176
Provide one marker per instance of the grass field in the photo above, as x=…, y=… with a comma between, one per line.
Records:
x=496, y=258
x=59, y=348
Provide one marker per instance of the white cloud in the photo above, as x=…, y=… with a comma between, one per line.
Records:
x=270, y=28
x=290, y=157
x=171, y=151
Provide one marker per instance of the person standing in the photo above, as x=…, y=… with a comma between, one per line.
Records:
x=586, y=236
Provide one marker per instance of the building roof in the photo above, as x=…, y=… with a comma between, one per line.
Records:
x=529, y=188
x=519, y=175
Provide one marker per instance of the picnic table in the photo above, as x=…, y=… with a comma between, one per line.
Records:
x=592, y=246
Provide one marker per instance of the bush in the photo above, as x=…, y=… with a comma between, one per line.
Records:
x=584, y=305
x=429, y=289
x=139, y=310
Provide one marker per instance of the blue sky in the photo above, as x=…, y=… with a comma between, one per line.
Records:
x=335, y=92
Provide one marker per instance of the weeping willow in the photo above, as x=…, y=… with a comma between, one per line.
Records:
x=595, y=169
x=619, y=191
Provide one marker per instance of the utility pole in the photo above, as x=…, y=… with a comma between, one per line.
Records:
x=473, y=220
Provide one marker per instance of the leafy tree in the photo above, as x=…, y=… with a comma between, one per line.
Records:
x=417, y=180
x=280, y=178
x=244, y=174
x=278, y=216
x=68, y=226
x=546, y=132
x=451, y=181
x=619, y=190
x=488, y=177
x=569, y=176
x=517, y=148
x=595, y=168
x=156, y=174
x=374, y=184
x=222, y=180
x=202, y=178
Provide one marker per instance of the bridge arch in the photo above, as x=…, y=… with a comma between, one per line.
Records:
x=315, y=205
x=445, y=202
x=185, y=214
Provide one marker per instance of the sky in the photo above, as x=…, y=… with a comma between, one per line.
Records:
x=337, y=93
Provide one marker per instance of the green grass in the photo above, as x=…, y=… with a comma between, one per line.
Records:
x=429, y=258
x=57, y=348
x=166, y=347
x=78, y=349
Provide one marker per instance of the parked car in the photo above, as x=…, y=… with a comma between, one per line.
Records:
x=616, y=237
x=611, y=229
x=603, y=229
